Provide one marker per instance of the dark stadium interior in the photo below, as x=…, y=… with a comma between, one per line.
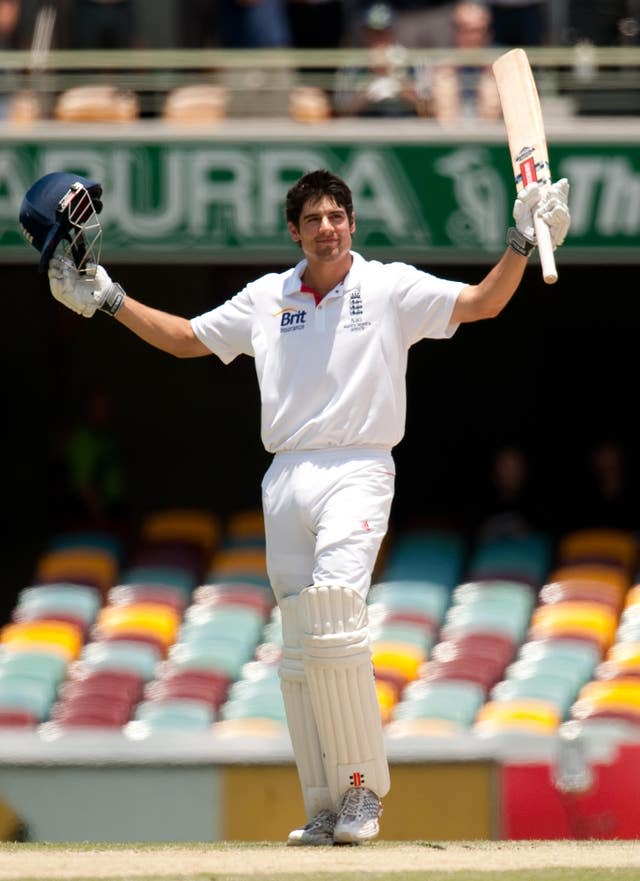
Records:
x=554, y=374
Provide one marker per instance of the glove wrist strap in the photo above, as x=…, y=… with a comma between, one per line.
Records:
x=518, y=242
x=113, y=299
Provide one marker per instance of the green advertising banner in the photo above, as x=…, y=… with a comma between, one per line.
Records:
x=204, y=201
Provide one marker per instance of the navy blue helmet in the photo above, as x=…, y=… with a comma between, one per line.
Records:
x=63, y=206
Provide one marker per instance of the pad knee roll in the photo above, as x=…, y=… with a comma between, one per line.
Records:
x=337, y=663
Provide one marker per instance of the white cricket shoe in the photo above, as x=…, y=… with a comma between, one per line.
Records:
x=317, y=832
x=358, y=816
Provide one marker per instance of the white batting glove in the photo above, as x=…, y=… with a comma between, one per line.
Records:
x=80, y=293
x=550, y=204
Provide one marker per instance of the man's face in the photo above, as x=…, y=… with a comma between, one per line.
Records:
x=324, y=230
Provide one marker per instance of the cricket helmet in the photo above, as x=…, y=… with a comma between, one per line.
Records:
x=63, y=207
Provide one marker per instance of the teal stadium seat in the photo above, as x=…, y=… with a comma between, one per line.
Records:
x=454, y=701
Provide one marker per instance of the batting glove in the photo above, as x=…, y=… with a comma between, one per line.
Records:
x=82, y=294
x=551, y=205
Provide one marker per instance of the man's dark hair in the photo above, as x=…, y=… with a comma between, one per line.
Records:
x=314, y=185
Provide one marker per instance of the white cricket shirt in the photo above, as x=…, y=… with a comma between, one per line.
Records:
x=332, y=375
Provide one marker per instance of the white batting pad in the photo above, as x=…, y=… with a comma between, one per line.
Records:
x=337, y=663
x=300, y=716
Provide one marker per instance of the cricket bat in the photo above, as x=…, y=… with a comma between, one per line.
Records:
x=527, y=139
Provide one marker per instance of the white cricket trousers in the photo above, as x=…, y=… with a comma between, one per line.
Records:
x=326, y=513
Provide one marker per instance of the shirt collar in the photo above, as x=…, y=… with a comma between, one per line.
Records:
x=352, y=280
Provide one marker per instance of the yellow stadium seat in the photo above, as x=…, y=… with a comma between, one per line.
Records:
x=63, y=637
x=387, y=698
x=192, y=526
x=613, y=696
x=589, y=620
x=528, y=714
x=402, y=659
x=154, y=618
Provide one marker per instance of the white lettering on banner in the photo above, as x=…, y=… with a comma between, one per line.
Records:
x=272, y=165
x=132, y=176
x=480, y=194
x=92, y=163
x=605, y=193
x=231, y=197
x=383, y=197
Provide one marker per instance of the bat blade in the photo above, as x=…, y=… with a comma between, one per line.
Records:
x=524, y=125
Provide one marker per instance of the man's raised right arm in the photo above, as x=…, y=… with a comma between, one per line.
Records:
x=170, y=333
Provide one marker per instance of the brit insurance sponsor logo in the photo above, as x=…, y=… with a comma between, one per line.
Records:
x=291, y=319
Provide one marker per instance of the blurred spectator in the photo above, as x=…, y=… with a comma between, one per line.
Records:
x=10, y=24
x=198, y=22
x=316, y=24
x=462, y=91
x=389, y=86
x=254, y=24
x=605, y=497
x=102, y=24
x=605, y=22
x=424, y=24
x=508, y=505
x=94, y=487
x=519, y=22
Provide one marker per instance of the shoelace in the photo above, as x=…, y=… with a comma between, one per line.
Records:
x=358, y=804
x=323, y=820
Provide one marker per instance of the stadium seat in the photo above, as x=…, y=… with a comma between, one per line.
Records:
x=196, y=527
x=160, y=575
x=598, y=546
x=425, y=555
x=137, y=657
x=171, y=713
x=583, y=590
x=158, y=594
x=156, y=620
x=416, y=596
x=222, y=594
x=81, y=602
x=530, y=715
x=523, y=558
x=452, y=701
x=586, y=620
x=245, y=529
x=60, y=636
x=185, y=683
x=557, y=690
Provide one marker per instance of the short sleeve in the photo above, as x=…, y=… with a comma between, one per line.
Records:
x=425, y=304
x=227, y=329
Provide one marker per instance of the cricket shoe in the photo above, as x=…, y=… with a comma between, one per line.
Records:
x=358, y=816
x=317, y=832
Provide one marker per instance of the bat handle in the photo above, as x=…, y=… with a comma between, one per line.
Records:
x=545, y=250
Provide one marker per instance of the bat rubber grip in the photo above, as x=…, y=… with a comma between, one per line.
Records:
x=545, y=251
